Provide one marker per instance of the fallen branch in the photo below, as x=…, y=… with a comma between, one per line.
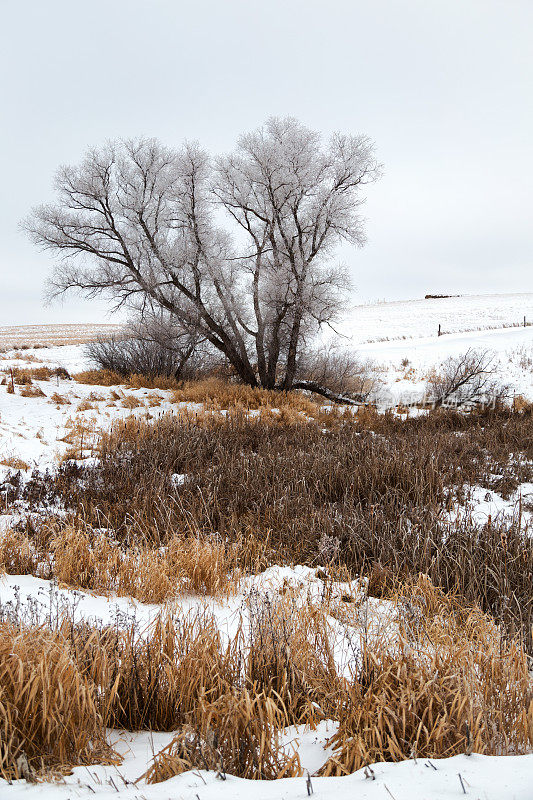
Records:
x=311, y=386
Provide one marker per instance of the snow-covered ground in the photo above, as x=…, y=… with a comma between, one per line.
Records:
x=46, y=335
x=407, y=319
x=405, y=365
x=476, y=776
x=484, y=506
x=33, y=429
x=36, y=432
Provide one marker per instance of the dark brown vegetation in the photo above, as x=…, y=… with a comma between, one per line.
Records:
x=366, y=492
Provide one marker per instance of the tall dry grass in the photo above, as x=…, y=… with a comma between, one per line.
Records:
x=50, y=711
x=447, y=684
x=237, y=734
x=368, y=492
x=82, y=558
x=439, y=679
x=213, y=393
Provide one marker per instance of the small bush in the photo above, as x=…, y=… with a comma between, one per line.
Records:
x=469, y=379
x=59, y=399
x=152, y=348
x=32, y=391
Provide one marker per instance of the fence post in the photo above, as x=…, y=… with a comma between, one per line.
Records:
x=438, y=334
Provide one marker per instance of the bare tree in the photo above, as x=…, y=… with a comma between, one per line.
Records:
x=465, y=380
x=137, y=220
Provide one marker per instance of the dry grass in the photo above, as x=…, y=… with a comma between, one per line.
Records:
x=14, y=462
x=32, y=391
x=81, y=558
x=368, y=493
x=442, y=667
x=85, y=405
x=238, y=734
x=212, y=393
x=217, y=394
x=363, y=492
x=25, y=375
x=50, y=710
x=18, y=555
x=82, y=435
x=448, y=684
x=59, y=399
x=444, y=684
x=99, y=377
x=131, y=402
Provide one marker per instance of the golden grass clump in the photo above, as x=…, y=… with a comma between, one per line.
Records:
x=520, y=404
x=95, y=397
x=238, y=734
x=215, y=394
x=85, y=405
x=131, y=402
x=59, y=399
x=164, y=382
x=14, y=463
x=50, y=716
x=448, y=683
x=156, y=681
x=438, y=680
x=17, y=554
x=99, y=377
x=30, y=390
x=81, y=435
x=83, y=559
x=25, y=375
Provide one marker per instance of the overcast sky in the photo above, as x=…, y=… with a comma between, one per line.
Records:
x=444, y=87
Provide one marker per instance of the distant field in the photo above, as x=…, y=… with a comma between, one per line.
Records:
x=52, y=335
x=412, y=319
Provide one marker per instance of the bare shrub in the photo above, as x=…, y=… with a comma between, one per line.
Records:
x=469, y=379
x=153, y=347
x=338, y=375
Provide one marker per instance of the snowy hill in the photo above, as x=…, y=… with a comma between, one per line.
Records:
x=409, y=319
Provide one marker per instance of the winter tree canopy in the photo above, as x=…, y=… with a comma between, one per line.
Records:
x=239, y=249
